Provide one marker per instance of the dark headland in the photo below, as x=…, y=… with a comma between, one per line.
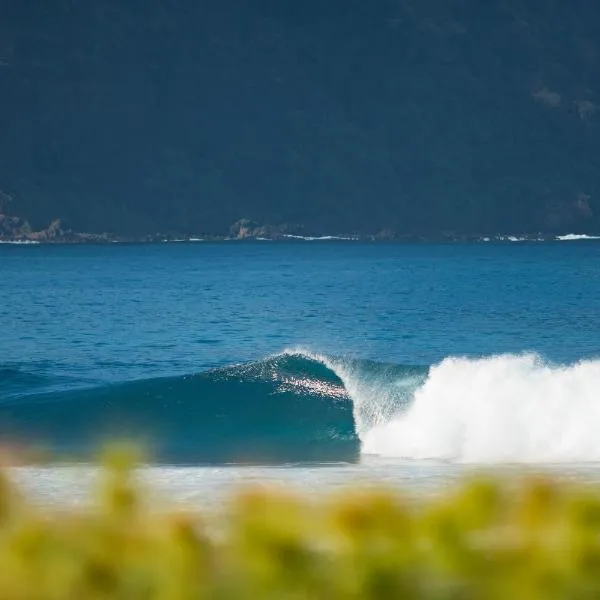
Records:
x=392, y=119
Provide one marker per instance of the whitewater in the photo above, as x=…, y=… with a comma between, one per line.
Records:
x=504, y=409
x=500, y=409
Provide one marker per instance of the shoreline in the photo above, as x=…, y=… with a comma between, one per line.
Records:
x=105, y=239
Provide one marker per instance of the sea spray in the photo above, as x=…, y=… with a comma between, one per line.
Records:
x=378, y=391
x=509, y=408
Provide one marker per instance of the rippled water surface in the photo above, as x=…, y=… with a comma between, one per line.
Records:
x=403, y=363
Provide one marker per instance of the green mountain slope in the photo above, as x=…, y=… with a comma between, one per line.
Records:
x=418, y=116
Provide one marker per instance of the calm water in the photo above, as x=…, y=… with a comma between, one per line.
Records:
x=399, y=362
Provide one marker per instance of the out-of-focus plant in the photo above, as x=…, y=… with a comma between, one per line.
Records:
x=485, y=539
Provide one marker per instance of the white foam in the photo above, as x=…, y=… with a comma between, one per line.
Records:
x=322, y=238
x=573, y=237
x=512, y=238
x=518, y=238
x=501, y=409
x=20, y=242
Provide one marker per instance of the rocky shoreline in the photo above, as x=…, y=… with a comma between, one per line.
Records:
x=16, y=230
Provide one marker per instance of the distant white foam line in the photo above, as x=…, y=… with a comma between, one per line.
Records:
x=573, y=237
x=20, y=242
x=319, y=238
x=513, y=409
x=512, y=238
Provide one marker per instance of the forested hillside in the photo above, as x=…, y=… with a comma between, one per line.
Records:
x=354, y=116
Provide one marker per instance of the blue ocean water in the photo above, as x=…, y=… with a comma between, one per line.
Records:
x=268, y=352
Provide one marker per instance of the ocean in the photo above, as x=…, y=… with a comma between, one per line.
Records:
x=311, y=364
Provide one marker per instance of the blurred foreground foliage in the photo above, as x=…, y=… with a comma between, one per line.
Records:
x=484, y=539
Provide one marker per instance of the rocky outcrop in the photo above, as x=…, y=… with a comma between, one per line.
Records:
x=54, y=232
x=13, y=228
x=245, y=229
x=16, y=229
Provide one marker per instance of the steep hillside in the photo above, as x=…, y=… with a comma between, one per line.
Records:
x=416, y=116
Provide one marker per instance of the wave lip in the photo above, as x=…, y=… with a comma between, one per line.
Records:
x=503, y=409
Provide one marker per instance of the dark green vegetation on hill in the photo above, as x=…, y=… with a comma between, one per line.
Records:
x=346, y=116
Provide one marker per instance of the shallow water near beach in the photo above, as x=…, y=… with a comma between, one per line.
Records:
x=307, y=364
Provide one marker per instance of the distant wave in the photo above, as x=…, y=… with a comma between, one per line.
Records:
x=572, y=237
x=304, y=406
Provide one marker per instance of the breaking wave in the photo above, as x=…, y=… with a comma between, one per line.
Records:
x=302, y=406
x=514, y=409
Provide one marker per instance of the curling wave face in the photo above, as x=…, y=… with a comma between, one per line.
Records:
x=301, y=406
